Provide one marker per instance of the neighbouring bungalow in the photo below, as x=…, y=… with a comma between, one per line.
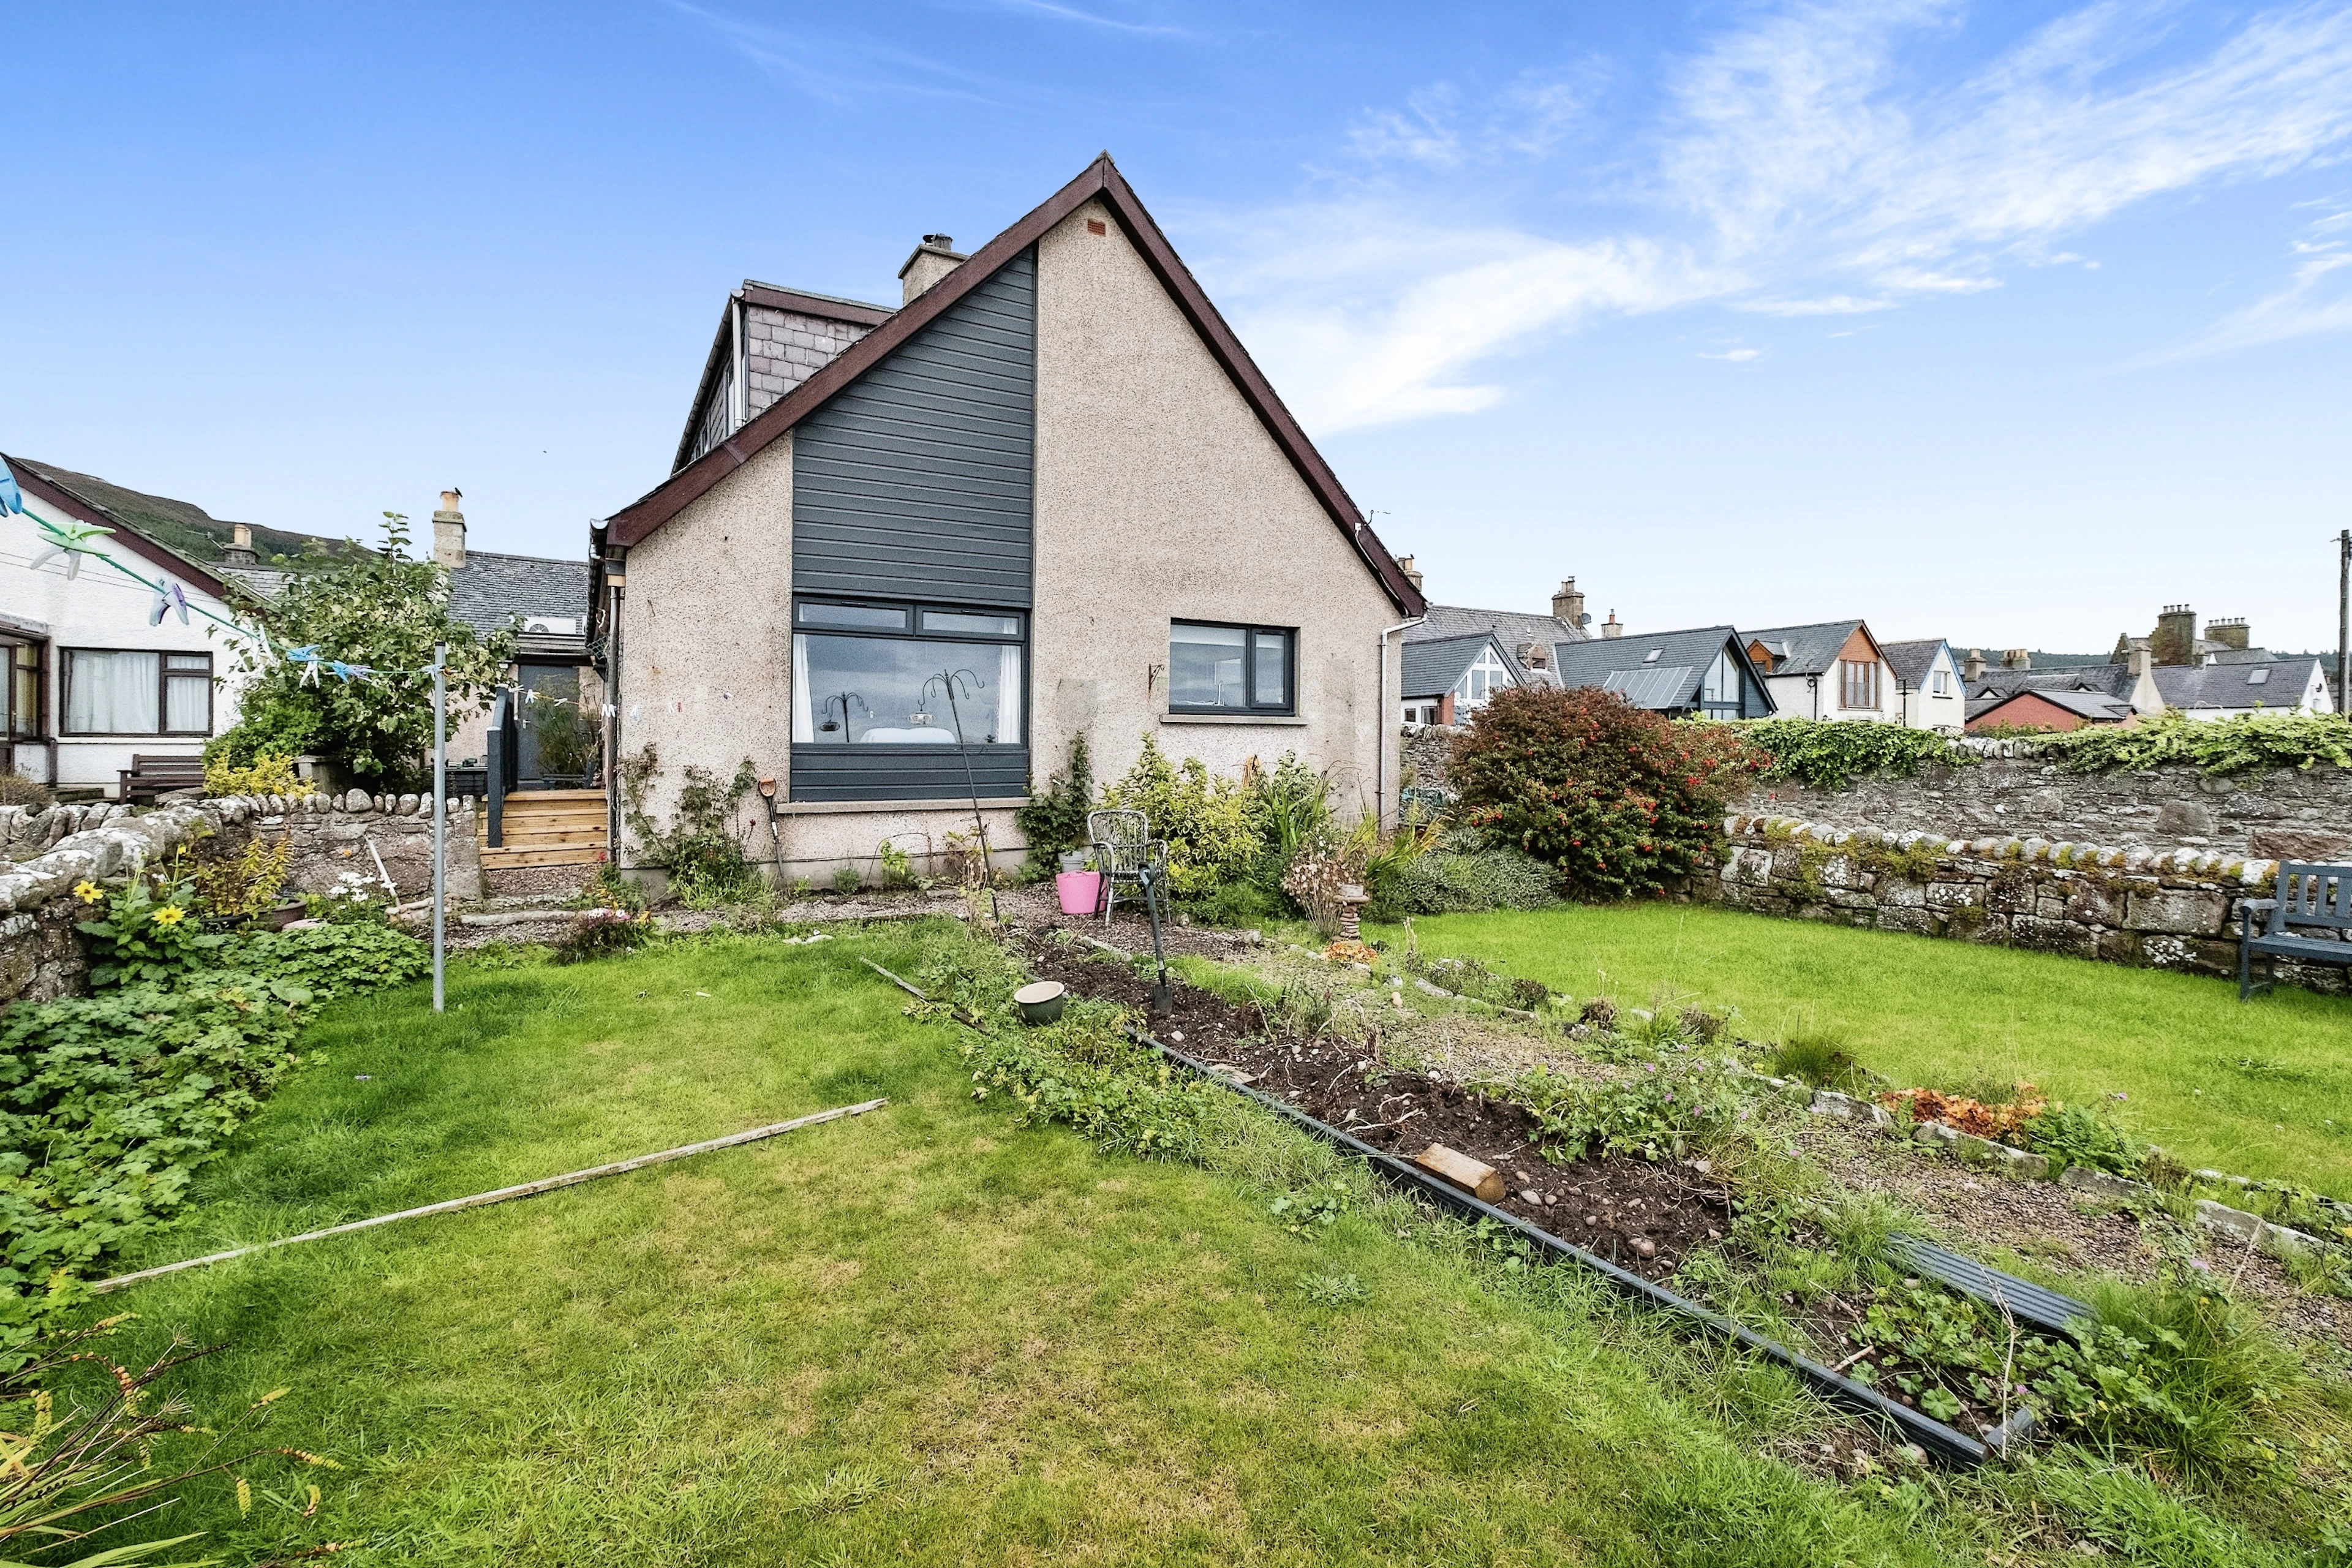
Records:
x=1050, y=493
x=94, y=682
x=2247, y=681
x=2064, y=697
x=1927, y=684
x=1445, y=680
x=1704, y=672
x=1830, y=669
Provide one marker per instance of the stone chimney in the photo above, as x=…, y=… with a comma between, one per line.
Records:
x=1611, y=628
x=1535, y=655
x=2232, y=633
x=1569, y=603
x=2174, y=639
x=933, y=259
x=1411, y=573
x=2017, y=658
x=449, y=532
x=1973, y=670
x=240, y=552
x=2146, y=698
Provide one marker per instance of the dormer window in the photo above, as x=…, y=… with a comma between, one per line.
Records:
x=1481, y=680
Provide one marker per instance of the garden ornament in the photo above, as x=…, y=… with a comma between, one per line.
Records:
x=70, y=539
x=11, y=500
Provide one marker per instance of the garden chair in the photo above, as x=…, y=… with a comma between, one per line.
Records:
x=1125, y=851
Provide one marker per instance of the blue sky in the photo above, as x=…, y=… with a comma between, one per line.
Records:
x=2008, y=323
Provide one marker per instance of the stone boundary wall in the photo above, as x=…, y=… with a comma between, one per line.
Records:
x=44, y=853
x=2286, y=814
x=2173, y=910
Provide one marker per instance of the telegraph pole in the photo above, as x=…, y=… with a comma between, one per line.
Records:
x=2343, y=616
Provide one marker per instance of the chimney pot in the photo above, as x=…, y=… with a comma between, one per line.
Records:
x=1611, y=628
x=1974, y=667
x=240, y=552
x=2174, y=641
x=1568, y=604
x=2017, y=658
x=2232, y=633
x=1411, y=573
x=449, y=532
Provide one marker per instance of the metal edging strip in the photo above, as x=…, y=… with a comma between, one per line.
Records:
x=1943, y=1442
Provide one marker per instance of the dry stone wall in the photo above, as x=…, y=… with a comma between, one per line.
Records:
x=2288, y=814
x=44, y=853
x=2166, y=909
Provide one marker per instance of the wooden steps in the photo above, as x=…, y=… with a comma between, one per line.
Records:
x=547, y=827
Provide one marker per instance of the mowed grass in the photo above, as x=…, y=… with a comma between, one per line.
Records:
x=2260, y=1089
x=919, y=1336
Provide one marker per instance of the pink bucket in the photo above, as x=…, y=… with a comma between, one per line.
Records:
x=1080, y=890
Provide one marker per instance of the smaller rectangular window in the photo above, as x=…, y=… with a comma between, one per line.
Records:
x=1215, y=668
x=24, y=691
x=856, y=618
x=971, y=624
x=1943, y=683
x=188, y=693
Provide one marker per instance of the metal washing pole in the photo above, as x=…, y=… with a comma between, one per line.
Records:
x=440, y=815
x=947, y=677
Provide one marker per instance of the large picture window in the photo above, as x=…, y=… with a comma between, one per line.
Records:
x=1214, y=668
x=906, y=675
x=137, y=692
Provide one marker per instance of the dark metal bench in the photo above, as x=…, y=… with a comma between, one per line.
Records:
x=148, y=778
x=2309, y=896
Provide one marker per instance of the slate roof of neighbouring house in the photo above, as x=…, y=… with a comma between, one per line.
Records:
x=1911, y=661
x=2272, y=683
x=1803, y=650
x=2107, y=679
x=1510, y=628
x=2096, y=707
x=491, y=590
x=1435, y=666
x=1661, y=670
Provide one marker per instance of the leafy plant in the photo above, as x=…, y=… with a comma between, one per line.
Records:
x=703, y=849
x=145, y=932
x=1623, y=802
x=898, y=870
x=355, y=900
x=1082, y=1070
x=2070, y=1135
x=1055, y=820
x=603, y=933
x=1650, y=1113
x=1332, y=1290
x=1214, y=826
x=1983, y=1117
x=268, y=772
x=330, y=961
x=1829, y=754
x=233, y=887
x=1312, y=1209
x=1462, y=873
x=2219, y=747
x=381, y=610
x=845, y=880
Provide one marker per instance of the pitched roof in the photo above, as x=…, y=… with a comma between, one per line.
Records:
x=2096, y=707
x=1803, y=650
x=1663, y=669
x=490, y=590
x=1911, y=661
x=2109, y=680
x=2274, y=683
x=193, y=535
x=1100, y=181
x=43, y=484
x=1434, y=665
x=1512, y=628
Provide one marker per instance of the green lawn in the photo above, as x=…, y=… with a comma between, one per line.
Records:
x=2262, y=1089
x=918, y=1336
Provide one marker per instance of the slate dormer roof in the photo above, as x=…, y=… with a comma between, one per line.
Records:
x=1911, y=661
x=1435, y=666
x=1803, y=650
x=491, y=590
x=1513, y=629
x=2277, y=683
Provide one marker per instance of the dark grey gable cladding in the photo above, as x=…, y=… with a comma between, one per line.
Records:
x=908, y=772
x=914, y=482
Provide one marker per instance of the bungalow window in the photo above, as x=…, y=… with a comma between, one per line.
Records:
x=24, y=692
x=137, y=692
x=1215, y=668
x=1943, y=683
x=907, y=675
x=1857, y=683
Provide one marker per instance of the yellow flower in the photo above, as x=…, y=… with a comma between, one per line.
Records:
x=89, y=892
x=170, y=915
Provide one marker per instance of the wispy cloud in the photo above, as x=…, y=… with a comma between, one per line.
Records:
x=837, y=69
x=1806, y=161
x=1090, y=18
x=2317, y=297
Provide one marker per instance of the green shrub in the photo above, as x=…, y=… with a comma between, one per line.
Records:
x=1622, y=801
x=2215, y=746
x=1651, y=1112
x=1055, y=820
x=703, y=849
x=335, y=959
x=603, y=933
x=2073, y=1136
x=1828, y=753
x=1464, y=873
x=1121, y=1096
x=1215, y=828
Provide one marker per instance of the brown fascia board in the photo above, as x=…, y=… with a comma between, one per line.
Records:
x=73, y=505
x=823, y=305
x=634, y=522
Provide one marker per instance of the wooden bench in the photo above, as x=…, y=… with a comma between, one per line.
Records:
x=2308, y=896
x=148, y=778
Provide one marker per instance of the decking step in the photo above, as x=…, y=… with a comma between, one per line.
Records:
x=2023, y=1299
x=503, y=860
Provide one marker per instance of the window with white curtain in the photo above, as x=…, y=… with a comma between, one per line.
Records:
x=906, y=675
x=137, y=692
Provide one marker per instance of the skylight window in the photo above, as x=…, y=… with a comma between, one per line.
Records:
x=1651, y=656
x=2258, y=676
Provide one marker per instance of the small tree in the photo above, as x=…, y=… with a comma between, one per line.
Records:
x=1622, y=801
x=384, y=611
